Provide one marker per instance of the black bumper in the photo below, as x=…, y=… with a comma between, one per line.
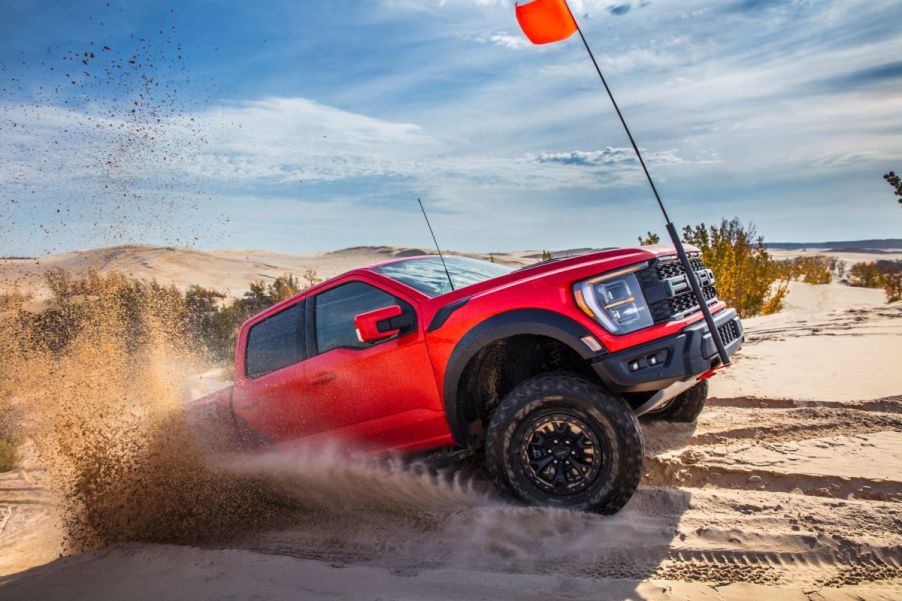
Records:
x=660, y=363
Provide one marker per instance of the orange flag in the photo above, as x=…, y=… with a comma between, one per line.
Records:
x=546, y=21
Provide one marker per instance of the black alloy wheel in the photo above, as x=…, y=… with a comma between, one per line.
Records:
x=564, y=441
x=562, y=453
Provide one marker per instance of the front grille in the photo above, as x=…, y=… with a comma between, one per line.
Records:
x=667, y=309
x=666, y=290
x=671, y=269
x=729, y=331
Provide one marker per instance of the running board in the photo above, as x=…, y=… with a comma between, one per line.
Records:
x=662, y=396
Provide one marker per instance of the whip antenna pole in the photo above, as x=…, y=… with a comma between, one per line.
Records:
x=437, y=247
x=671, y=230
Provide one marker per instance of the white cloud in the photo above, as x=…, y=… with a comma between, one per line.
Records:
x=606, y=157
x=277, y=142
x=296, y=139
x=504, y=40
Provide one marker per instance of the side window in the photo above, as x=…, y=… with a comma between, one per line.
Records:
x=337, y=308
x=276, y=342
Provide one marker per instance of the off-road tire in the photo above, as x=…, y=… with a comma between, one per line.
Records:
x=686, y=406
x=610, y=420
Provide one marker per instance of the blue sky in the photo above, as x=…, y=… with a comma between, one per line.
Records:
x=303, y=126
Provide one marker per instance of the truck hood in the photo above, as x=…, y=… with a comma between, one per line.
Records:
x=580, y=266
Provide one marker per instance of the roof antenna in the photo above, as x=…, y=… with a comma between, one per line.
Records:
x=440, y=255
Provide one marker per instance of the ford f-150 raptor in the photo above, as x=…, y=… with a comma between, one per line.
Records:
x=544, y=369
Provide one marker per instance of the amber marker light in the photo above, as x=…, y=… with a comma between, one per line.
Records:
x=581, y=303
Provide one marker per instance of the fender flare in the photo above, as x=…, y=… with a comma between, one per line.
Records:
x=539, y=322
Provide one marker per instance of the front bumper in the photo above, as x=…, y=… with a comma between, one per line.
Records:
x=660, y=363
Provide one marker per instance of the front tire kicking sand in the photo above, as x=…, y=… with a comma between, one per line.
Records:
x=564, y=441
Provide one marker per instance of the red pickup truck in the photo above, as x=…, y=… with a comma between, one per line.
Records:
x=544, y=368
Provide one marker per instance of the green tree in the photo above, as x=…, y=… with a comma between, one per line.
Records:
x=895, y=183
x=209, y=320
x=283, y=287
x=649, y=238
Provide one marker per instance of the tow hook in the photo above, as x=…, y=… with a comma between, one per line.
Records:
x=711, y=373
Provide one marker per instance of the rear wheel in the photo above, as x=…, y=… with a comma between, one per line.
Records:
x=564, y=441
x=687, y=406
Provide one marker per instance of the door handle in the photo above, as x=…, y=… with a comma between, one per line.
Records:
x=324, y=378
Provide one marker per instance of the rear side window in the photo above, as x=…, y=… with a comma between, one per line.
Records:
x=276, y=342
x=337, y=308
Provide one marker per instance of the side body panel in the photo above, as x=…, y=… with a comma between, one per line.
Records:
x=271, y=406
x=383, y=397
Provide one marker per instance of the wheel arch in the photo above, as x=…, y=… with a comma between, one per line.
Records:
x=490, y=341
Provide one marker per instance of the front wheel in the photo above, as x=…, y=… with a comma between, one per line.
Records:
x=561, y=440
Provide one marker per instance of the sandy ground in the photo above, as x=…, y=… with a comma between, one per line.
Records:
x=788, y=487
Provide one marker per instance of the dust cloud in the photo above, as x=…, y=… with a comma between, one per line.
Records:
x=106, y=409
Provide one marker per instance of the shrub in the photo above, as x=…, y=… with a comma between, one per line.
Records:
x=865, y=275
x=202, y=318
x=878, y=274
x=212, y=325
x=77, y=300
x=811, y=270
x=893, y=287
x=649, y=238
x=8, y=455
x=837, y=266
x=9, y=433
x=311, y=278
x=747, y=277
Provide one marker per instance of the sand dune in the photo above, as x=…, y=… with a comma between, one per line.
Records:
x=229, y=270
x=788, y=487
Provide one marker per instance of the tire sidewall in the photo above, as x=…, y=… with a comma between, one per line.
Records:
x=606, y=415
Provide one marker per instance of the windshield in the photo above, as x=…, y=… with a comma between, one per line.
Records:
x=428, y=276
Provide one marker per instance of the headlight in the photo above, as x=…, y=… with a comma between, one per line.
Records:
x=615, y=301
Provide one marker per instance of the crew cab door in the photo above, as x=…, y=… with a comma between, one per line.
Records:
x=379, y=395
x=269, y=386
